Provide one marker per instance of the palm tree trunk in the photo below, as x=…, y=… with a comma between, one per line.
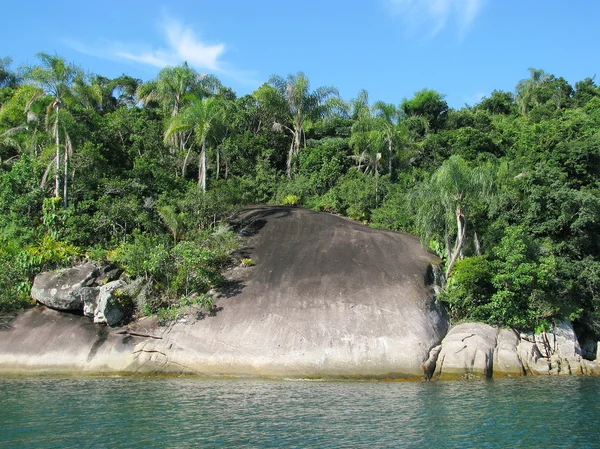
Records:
x=460, y=240
x=66, y=180
x=57, y=174
x=202, y=167
x=391, y=150
x=289, y=160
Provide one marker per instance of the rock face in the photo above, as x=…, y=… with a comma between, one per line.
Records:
x=506, y=358
x=61, y=290
x=467, y=351
x=326, y=298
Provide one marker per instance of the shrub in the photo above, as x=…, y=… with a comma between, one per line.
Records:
x=469, y=289
x=291, y=200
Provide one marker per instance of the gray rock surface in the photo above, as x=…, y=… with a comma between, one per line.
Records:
x=326, y=298
x=506, y=358
x=565, y=340
x=467, y=351
x=60, y=289
x=89, y=296
x=112, y=305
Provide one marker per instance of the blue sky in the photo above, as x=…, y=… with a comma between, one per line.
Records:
x=392, y=48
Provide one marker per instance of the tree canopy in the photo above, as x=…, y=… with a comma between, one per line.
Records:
x=506, y=192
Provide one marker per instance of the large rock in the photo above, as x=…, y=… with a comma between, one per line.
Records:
x=467, y=352
x=506, y=358
x=61, y=289
x=326, y=298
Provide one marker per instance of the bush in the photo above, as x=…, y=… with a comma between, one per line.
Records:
x=291, y=200
x=469, y=289
x=144, y=255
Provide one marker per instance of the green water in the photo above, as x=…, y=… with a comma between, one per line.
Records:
x=182, y=413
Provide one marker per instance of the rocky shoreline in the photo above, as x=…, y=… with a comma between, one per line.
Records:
x=475, y=350
x=326, y=299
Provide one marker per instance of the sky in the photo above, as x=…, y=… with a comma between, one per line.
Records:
x=464, y=49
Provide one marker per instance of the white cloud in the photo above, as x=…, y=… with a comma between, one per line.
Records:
x=435, y=14
x=181, y=44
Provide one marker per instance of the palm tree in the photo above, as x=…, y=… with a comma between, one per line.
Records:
x=301, y=105
x=198, y=117
x=8, y=78
x=56, y=77
x=387, y=119
x=526, y=91
x=443, y=205
x=173, y=89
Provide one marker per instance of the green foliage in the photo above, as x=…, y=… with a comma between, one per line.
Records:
x=195, y=269
x=469, y=289
x=144, y=255
x=291, y=200
x=506, y=191
x=247, y=262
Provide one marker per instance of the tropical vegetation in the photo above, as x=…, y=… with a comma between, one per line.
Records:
x=145, y=174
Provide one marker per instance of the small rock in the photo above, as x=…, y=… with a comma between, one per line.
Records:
x=89, y=296
x=112, y=308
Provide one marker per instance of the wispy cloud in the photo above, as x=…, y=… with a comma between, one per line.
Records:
x=181, y=44
x=436, y=14
x=177, y=43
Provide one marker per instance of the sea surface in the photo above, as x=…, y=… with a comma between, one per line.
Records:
x=115, y=412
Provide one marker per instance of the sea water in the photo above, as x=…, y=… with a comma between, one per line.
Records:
x=186, y=413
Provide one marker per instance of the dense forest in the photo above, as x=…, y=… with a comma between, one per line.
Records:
x=144, y=175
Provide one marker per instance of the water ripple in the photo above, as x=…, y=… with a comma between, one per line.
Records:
x=187, y=413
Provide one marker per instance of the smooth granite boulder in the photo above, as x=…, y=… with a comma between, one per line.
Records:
x=61, y=289
x=565, y=340
x=467, y=352
x=326, y=297
x=506, y=358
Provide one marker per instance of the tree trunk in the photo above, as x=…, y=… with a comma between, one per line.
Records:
x=460, y=240
x=66, y=180
x=289, y=160
x=218, y=163
x=202, y=167
x=477, y=245
x=185, y=162
x=57, y=174
x=391, y=150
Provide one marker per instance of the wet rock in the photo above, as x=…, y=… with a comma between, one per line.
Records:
x=506, y=357
x=429, y=364
x=467, y=351
x=61, y=289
